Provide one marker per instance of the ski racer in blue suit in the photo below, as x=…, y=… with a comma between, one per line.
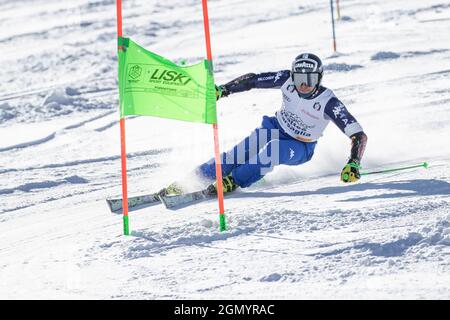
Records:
x=291, y=135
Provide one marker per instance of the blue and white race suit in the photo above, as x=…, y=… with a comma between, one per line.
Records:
x=289, y=137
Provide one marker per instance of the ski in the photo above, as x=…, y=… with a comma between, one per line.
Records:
x=115, y=205
x=171, y=201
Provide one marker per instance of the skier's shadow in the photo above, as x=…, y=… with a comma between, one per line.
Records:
x=418, y=187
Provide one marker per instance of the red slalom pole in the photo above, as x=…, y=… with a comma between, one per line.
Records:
x=223, y=225
x=123, y=155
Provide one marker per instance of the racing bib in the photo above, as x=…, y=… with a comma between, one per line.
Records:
x=303, y=119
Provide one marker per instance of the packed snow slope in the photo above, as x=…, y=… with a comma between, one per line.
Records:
x=300, y=233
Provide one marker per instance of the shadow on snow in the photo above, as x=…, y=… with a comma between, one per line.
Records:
x=418, y=187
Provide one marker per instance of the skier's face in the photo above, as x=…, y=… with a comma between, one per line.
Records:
x=303, y=88
x=305, y=82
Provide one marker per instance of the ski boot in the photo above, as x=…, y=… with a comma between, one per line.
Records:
x=228, y=185
x=173, y=189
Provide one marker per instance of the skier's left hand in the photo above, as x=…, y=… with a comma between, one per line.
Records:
x=350, y=173
x=221, y=91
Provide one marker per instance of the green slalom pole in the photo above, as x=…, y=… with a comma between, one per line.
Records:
x=425, y=165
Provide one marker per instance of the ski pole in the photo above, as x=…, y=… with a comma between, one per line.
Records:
x=425, y=165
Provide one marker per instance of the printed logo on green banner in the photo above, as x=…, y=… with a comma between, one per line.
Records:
x=135, y=72
x=160, y=79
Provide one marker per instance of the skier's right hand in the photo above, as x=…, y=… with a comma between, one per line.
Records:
x=350, y=173
x=221, y=91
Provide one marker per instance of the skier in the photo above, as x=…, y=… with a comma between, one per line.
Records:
x=291, y=135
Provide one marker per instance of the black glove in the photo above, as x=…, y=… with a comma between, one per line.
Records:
x=221, y=91
x=350, y=173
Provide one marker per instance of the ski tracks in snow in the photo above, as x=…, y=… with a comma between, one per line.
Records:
x=302, y=236
x=72, y=171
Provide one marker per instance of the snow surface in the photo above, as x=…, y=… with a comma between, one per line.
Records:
x=298, y=234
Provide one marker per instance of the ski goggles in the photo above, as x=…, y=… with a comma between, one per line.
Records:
x=310, y=79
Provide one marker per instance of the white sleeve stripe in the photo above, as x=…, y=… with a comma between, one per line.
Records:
x=352, y=128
